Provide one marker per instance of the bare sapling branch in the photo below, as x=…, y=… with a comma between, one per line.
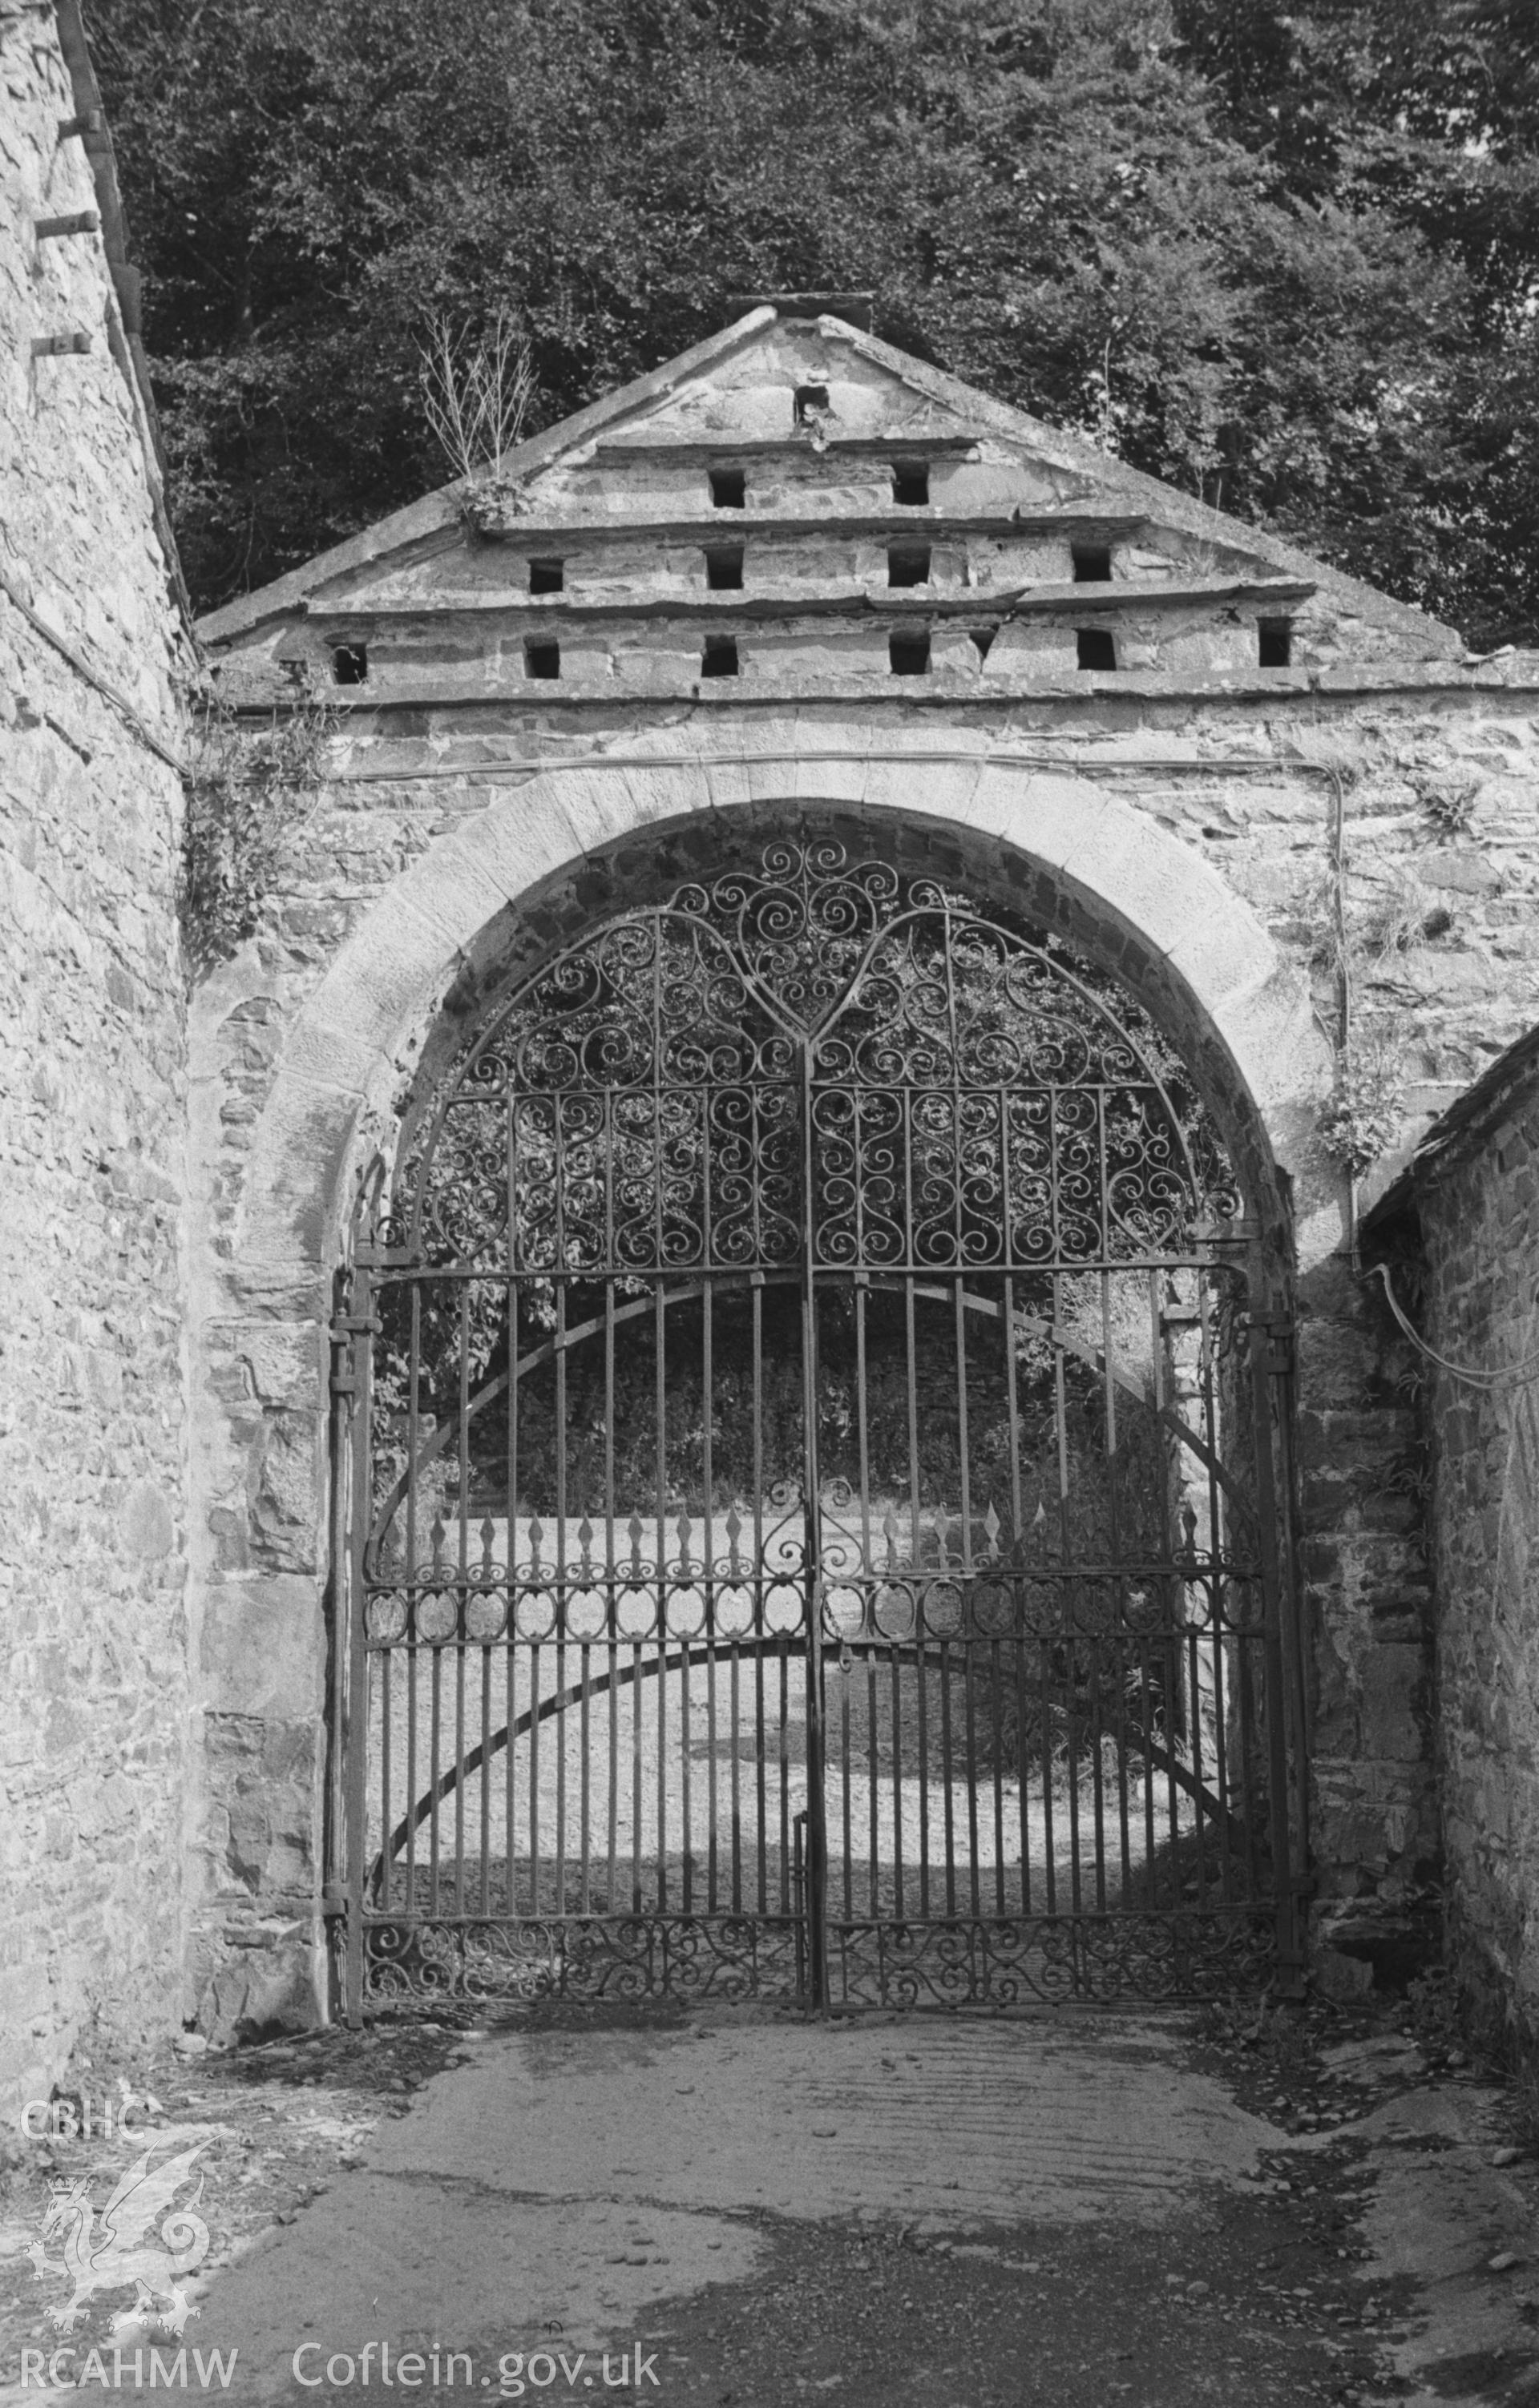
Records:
x=475, y=391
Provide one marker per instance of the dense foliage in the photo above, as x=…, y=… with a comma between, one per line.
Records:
x=1283, y=258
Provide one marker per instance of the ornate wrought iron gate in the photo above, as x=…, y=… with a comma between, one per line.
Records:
x=806, y=1508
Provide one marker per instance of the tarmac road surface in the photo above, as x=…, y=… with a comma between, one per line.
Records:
x=744, y=2209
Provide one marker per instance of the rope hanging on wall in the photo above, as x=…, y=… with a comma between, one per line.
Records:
x=1487, y=1380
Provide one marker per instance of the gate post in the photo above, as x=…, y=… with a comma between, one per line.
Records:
x=343, y=1395
x=354, y=1716
x=1268, y=1334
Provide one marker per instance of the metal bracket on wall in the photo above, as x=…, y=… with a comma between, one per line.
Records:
x=341, y=1333
x=1280, y=1330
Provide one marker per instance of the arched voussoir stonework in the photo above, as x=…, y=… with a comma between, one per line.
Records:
x=549, y=858
x=572, y=845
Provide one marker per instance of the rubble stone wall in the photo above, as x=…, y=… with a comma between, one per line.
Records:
x=93, y=1752
x=1439, y=775
x=165, y=1563
x=526, y=695
x=1479, y=1216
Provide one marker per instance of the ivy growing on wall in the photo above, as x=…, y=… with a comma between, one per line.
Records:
x=1361, y=1121
x=246, y=785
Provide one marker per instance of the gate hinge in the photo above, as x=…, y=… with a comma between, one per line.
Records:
x=1241, y=1231
x=344, y=1329
x=333, y=1901
x=1280, y=1329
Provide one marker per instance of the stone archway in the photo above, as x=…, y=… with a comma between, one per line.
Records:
x=1147, y=904
x=1076, y=857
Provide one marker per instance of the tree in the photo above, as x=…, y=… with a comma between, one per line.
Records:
x=1283, y=260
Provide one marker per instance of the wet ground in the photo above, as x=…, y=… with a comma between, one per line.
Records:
x=743, y=2209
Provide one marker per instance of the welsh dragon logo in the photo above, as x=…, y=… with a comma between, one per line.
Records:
x=119, y=2253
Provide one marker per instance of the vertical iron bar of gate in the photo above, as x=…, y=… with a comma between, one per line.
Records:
x=816, y=1889
x=356, y=1720
x=343, y=1396
x=1262, y=1367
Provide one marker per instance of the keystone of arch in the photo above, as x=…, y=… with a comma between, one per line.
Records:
x=339, y=1063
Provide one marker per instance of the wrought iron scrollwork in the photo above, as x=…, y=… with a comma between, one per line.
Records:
x=977, y=1096
x=804, y=1326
